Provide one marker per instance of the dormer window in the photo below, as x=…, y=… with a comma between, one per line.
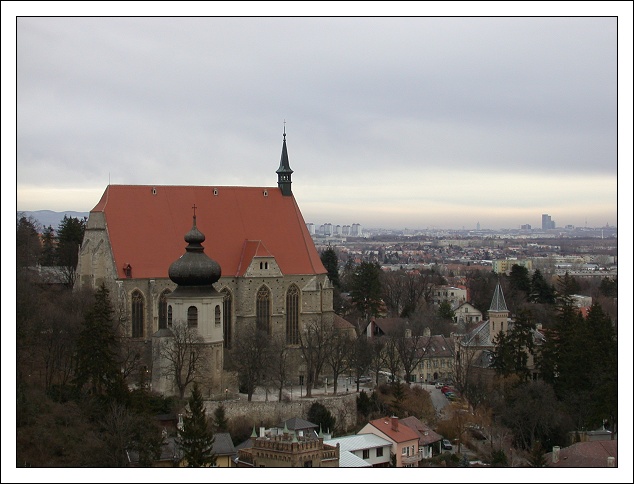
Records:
x=127, y=269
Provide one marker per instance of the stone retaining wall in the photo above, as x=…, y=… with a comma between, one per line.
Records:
x=342, y=407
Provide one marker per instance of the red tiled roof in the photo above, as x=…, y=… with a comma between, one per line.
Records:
x=403, y=434
x=147, y=224
x=585, y=454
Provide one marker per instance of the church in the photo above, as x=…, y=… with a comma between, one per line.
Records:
x=269, y=272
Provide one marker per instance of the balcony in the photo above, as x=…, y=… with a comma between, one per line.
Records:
x=411, y=459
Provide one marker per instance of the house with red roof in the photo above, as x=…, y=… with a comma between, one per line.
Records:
x=405, y=450
x=270, y=272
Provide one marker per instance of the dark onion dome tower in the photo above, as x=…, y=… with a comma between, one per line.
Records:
x=194, y=319
x=284, y=171
x=194, y=268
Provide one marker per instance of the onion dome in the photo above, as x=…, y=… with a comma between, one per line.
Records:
x=194, y=267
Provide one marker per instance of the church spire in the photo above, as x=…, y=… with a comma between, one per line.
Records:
x=498, y=303
x=284, y=171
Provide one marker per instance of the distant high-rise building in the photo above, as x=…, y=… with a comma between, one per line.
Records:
x=547, y=223
x=328, y=229
x=525, y=227
x=478, y=226
x=311, y=228
x=345, y=230
x=356, y=230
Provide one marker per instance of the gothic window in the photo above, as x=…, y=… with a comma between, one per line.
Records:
x=217, y=316
x=162, y=309
x=169, y=316
x=138, y=316
x=192, y=316
x=292, y=315
x=226, y=317
x=263, y=310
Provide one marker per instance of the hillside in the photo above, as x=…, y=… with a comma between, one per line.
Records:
x=48, y=217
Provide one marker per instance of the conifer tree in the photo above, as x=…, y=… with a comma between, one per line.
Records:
x=220, y=419
x=97, y=347
x=196, y=439
x=331, y=263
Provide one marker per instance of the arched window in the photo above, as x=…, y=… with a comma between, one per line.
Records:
x=169, y=316
x=192, y=316
x=138, y=316
x=263, y=310
x=292, y=315
x=226, y=317
x=162, y=309
x=217, y=316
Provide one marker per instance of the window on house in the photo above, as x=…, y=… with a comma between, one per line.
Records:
x=138, y=315
x=192, y=316
x=366, y=453
x=292, y=315
x=404, y=451
x=226, y=317
x=162, y=309
x=379, y=452
x=263, y=310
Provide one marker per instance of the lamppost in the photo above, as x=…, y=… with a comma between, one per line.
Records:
x=226, y=393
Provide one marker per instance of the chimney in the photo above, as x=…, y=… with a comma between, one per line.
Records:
x=427, y=332
x=611, y=461
x=394, y=423
x=555, y=454
x=261, y=431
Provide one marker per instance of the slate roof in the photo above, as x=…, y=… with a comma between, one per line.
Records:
x=297, y=423
x=223, y=445
x=498, y=304
x=146, y=223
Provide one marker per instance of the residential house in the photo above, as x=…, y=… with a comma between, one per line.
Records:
x=224, y=450
x=372, y=449
x=429, y=442
x=404, y=440
x=437, y=359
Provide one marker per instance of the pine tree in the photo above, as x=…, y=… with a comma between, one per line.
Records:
x=47, y=258
x=97, y=347
x=331, y=263
x=196, y=439
x=220, y=419
x=365, y=289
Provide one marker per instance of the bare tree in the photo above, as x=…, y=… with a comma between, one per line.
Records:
x=391, y=357
x=377, y=353
x=280, y=361
x=410, y=345
x=338, y=354
x=361, y=357
x=185, y=355
x=250, y=357
x=314, y=341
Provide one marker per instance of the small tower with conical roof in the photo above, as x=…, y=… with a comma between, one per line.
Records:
x=284, y=172
x=498, y=313
x=194, y=318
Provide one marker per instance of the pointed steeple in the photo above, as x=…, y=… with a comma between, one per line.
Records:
x=498, y=303
x=284, y=171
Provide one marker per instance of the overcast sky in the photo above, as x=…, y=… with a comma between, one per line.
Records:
x=414, y=122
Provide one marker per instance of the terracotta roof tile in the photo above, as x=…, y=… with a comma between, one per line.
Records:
x=147, y=224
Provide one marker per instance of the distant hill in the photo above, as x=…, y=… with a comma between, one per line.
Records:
x=48, y=217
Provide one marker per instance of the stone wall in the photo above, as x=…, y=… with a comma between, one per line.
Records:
x=343, y=408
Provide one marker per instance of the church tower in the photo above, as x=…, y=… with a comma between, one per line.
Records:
x=284, y=171
x=498, y=313
x=194, y=321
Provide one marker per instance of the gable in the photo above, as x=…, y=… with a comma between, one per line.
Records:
x=146, y=226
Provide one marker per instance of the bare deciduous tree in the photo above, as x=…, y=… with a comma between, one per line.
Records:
x=185, y=355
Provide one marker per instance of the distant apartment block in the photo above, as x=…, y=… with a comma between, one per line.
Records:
x=504, y=266
x=454, y=295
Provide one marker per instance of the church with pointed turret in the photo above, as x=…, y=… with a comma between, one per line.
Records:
x=256, y=264
x=473, y=350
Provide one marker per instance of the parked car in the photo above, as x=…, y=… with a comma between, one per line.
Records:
x=363, y=379
x=446, y=445
x=439, y=384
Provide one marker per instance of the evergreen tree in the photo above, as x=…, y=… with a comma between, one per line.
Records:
x=70, y=235
x=47, y=257
x=365, y=289
x=609, y=287
x=97, y=347
x=511, y=352
x=331, y=263
x=519, y=279
x=195, y=439
x=320, y=415
x=445, y=311
x=541, y=291
x=220, y=423
x=27, y=242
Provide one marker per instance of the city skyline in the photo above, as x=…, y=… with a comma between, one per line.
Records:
x=382, y=130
